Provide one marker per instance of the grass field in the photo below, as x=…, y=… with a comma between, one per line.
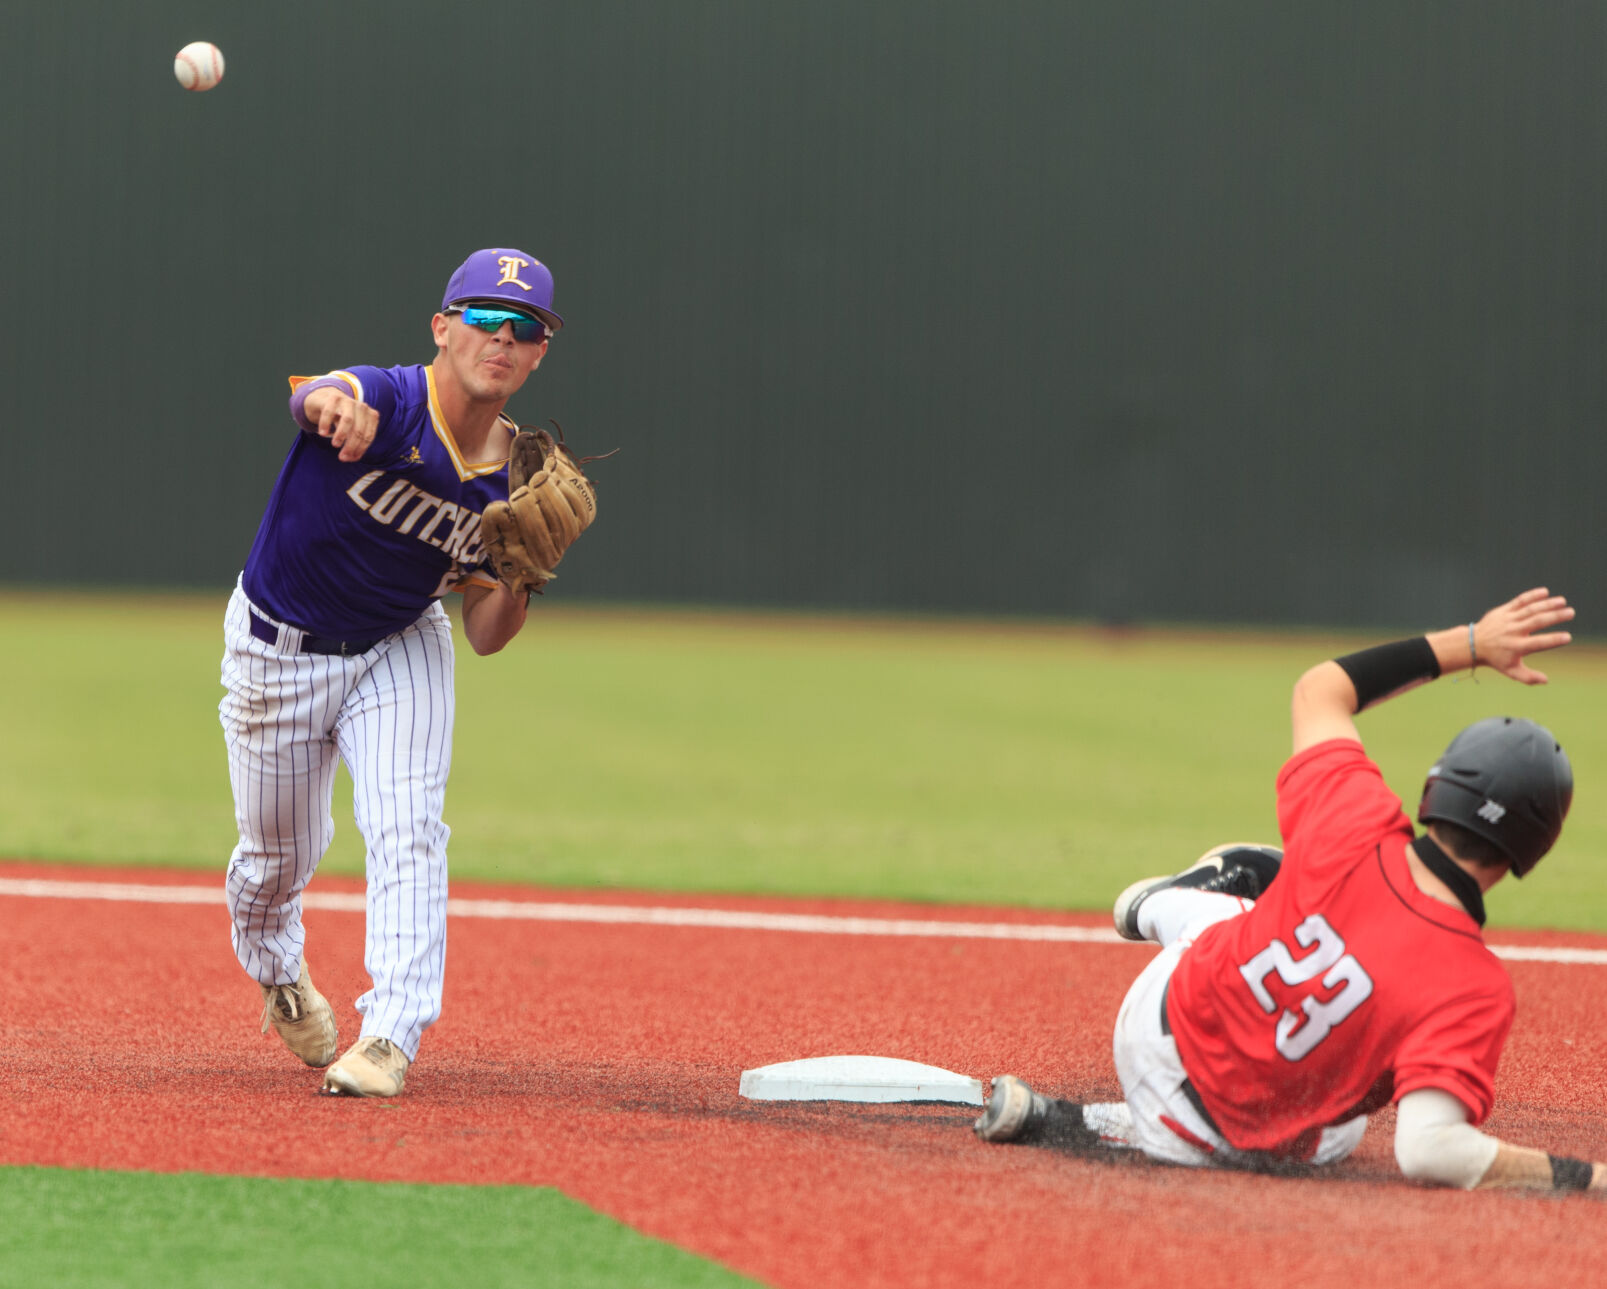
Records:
x=947, y=761
x=186, y=1231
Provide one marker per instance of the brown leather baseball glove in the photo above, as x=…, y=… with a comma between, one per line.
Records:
x=550, y=503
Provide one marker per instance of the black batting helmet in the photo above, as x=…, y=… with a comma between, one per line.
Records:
x=1506, y=780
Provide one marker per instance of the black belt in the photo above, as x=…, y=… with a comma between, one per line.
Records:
x=1189, y=1090
x=269, y=634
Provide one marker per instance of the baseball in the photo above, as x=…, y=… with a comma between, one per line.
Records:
x=199, y=65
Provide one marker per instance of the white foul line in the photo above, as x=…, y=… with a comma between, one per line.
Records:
x=723, y=919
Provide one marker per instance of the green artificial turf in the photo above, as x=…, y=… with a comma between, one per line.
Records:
x=66, y=1228
x=943, y=761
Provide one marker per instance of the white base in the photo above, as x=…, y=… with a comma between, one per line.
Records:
x=858, y=1078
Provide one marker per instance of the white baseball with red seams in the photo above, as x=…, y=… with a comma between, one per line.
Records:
x=199, y=65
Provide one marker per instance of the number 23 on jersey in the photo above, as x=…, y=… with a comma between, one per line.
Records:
x=1299, y=1033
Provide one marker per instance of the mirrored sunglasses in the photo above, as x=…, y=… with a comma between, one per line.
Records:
x=492, y=320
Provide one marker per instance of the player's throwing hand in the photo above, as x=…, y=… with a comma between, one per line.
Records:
x=348, y=423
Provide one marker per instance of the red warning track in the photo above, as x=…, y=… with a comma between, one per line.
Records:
x=604, y=1060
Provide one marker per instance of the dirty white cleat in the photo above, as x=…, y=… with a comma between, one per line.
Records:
x=1240, y=868
x=302, y=1017
x=372, y=1067
x=1016, y=1113
x=1009, y=1110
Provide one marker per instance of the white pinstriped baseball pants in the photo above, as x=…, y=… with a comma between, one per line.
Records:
x=288, y=718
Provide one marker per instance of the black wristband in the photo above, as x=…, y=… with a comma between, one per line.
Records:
x=1570, y=1174
x=1388, y=668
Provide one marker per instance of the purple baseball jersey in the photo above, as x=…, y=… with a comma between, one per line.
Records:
x=359, y=549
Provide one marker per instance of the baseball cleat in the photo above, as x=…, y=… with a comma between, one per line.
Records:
x=302, y=1017
x=1016, y=1113
x=1009, y=1110
x=372, y=1067
x=1240, y=868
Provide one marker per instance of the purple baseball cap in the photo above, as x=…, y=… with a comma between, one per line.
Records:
x=507, y=277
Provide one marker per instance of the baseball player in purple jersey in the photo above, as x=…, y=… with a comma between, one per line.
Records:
x=338, y=649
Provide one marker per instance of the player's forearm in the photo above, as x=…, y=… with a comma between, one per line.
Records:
x=1521, y=1166
x=491, y=618
x=1434, y=1142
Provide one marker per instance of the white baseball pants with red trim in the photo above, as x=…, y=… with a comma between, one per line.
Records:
x=1166, y=1125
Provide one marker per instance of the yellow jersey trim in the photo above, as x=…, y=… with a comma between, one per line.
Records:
x=443, y=431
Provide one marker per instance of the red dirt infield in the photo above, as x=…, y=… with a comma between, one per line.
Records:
x=604, y=1060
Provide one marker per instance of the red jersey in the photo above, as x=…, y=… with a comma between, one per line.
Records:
x=1345, y=986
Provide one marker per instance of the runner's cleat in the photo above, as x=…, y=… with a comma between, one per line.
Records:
x=1016, y=1113
x=1240, y=868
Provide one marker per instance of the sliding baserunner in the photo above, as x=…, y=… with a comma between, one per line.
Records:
x=1299, y=990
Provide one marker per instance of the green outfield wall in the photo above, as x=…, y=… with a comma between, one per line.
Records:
x=1238, y=311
